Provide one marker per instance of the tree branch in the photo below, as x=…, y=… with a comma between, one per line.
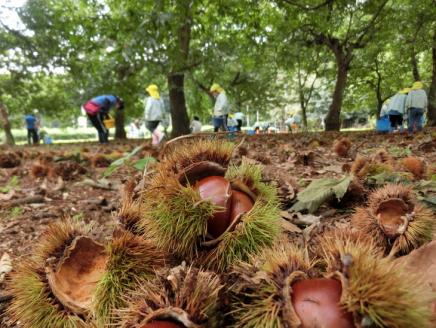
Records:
x=308, y=8
x=360, y=43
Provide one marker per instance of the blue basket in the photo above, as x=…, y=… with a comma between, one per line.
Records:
x=251, y=132
x=383, y=124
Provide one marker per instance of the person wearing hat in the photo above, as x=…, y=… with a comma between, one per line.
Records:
x=97, y=109
x=221, y=109
x=416, y=105
x=154, y=109
x=396, y=109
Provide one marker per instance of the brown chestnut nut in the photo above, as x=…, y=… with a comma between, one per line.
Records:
x=241, y=203
x=218, y=190
x=316, y=302
x=162, y=324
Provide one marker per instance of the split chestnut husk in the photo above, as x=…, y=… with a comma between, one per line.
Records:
x=74, y=281
x=201, y=210
x=395, y=219
x=176, y=298
x=54, y=288
x=348, y=285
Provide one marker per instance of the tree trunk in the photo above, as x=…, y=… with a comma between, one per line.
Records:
x=6, y=125
x=120, y=133
x=415, y=70
x=303, y=109
x=332, y=120
x=179, y=115
x=431, y=115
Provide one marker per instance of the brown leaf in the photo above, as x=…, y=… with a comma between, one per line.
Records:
x=422, y=263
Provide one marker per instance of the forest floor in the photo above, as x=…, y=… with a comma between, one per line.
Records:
x=39, y=185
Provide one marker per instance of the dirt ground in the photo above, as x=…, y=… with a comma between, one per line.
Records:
x=46, y=183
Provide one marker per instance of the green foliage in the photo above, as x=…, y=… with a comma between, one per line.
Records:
x=15, y=211
x=115, y=165
x=12, y=183
x=383, y=177
x=275, y=58
x=142, y=163
x=320, y=191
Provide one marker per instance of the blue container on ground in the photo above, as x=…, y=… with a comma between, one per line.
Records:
x=383, y=124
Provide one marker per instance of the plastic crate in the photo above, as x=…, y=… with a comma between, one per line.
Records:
x=383, y=124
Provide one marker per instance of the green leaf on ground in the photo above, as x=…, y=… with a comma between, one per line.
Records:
x=115, y=165
x=142, y=163
x=320, y=191
x=399, y=151
x=385, y=177
x=12, y=183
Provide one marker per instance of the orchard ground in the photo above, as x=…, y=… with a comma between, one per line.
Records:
x=49, y=182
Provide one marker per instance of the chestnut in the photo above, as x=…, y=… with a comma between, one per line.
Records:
x=241, y=203
x=218, y=190
x=316, y=303
x=162, y=324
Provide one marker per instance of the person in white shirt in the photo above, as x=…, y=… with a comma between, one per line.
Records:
x=416, y=105
x=396, y=109
x=221, y=109
x=154, y=109
x=239, y=117
x=195, y=125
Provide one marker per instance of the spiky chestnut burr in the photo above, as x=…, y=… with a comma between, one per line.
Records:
x=342, y=146
x=201, y=210
x=350, y=285
x=177, y=298
x=54, y=287
x=395, y=219
x=130, y=259
x=414, y=165
x=375, y=290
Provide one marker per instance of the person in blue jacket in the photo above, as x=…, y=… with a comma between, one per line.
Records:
x=97, y=109
x=32, y=125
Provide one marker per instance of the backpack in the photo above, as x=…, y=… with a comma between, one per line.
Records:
x=91, y=108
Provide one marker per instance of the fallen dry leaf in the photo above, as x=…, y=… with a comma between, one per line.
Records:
x=5, y=266
x=422, y=262
x=289, y=227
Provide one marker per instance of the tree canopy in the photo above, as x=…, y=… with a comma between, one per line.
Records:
x=323, y=58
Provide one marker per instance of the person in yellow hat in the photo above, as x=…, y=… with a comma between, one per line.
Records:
x=154, y=109
x=221, y=109
x=396, y=109
x=416, y=106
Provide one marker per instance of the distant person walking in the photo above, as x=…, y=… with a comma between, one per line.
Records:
x=416, y=105
x=154, y=110
x=221, y=109
x=396, y=109
x=32, y=125
x=195, y=125
x=97, y=109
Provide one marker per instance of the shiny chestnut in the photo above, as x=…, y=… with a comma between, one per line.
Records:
x=316, y=303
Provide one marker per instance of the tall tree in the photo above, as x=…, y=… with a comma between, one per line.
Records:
x=343, y=27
